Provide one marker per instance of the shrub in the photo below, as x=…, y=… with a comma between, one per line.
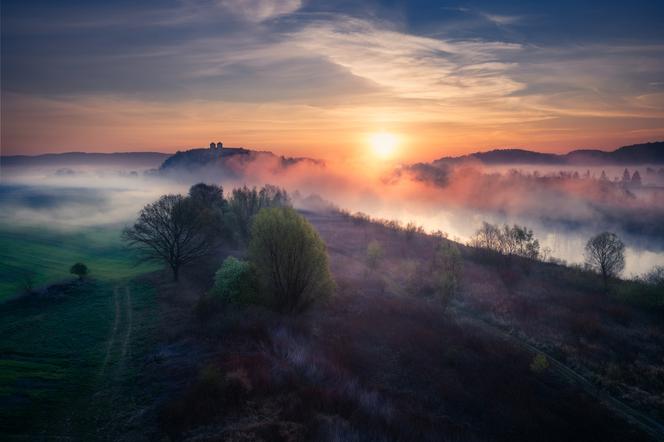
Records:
x=290, y=258
x=79, y=269
x=374, y=254
x=447, y=266
x=539, y=363
x=235, y=281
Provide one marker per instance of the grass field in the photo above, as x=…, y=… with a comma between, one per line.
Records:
x=68, y=362
x=69, y=357
x=45, y=255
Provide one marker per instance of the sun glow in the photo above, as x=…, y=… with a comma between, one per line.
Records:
x=383, y=144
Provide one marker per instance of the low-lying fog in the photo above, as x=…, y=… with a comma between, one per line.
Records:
x=563, y=212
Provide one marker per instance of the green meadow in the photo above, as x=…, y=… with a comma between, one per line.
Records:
x=67, y=361
x=45, y=255
x=69, y=357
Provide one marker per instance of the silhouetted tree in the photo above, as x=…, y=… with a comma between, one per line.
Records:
x=606, y=254
x=625, y=177
x=171, y=230
x=636, y=179
x=79, y=269
x=516, y=240
x=290, y=258
x=520, y=241
x=208, y=195
x=487, y=237
x=212, y=208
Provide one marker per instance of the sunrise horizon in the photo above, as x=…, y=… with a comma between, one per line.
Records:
x=304, y=78
x=332, y=220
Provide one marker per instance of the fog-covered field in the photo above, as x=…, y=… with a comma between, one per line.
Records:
x=563, y=213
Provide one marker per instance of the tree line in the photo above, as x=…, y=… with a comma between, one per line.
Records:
x=288, y=264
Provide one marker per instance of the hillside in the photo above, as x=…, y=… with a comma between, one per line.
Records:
x=648, y=153
x=229, y=159
x=381, y=361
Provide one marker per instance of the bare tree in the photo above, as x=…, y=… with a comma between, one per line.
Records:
x=171, y=230
x=606, y=254
x=487, y=237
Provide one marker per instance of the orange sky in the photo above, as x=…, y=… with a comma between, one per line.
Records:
x=303, y=79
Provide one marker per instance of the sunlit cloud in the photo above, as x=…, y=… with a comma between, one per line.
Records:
x=275, y=74
x=260, y=10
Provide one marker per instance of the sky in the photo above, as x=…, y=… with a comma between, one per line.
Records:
x=322, y=78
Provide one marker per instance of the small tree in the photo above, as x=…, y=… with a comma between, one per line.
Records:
x=245, y=203
x=235, y=281
x=290, y=258
x=446, y=269
x=374, y=254
x=520, y=241
x=606, y=254
x=171, y=230
x=487, y=237
x=79, y=269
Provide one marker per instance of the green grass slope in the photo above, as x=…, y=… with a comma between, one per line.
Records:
x=69, y=360
x=47, y=254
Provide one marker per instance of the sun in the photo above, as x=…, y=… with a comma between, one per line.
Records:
x=383, y=144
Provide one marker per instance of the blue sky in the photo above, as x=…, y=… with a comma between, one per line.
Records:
x=318, y=76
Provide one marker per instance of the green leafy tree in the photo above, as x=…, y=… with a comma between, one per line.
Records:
x=79, y=269
x=290, y=258
x=235, y=281
x=605, y=253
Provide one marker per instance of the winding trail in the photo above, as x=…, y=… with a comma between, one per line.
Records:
x=128, y=326
x=114, y=330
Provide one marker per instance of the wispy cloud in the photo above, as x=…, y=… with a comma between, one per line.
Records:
x=265, y=69
x=411, y=66
x=260, y=10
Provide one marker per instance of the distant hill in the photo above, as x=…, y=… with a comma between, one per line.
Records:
x=648, y=153
x=132, y=159
x=228, y=159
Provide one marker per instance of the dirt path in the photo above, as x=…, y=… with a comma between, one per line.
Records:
x=114, y=330
x=128, y=327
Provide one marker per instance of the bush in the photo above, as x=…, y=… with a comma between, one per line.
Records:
x=235, y=282
x=447, y=266
x=539, y=363
x=374, y=254
x=290, y=258
x=79, y=269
